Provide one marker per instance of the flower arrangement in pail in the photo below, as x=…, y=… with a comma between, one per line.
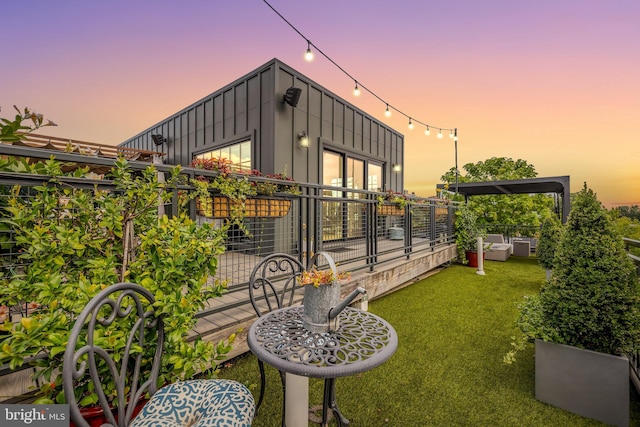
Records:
x=317, y=277
x=320, y=300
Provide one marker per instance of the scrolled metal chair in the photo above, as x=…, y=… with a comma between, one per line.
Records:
x=272, y=285
x=129, y=307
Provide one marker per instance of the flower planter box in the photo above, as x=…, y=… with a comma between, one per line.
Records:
x=222, y=207
x=587, y=383
x=389, y=210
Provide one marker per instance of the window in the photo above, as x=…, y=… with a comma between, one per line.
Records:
x=239, y=154
x=374, y=177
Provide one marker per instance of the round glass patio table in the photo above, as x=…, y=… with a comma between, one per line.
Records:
x=362, y=341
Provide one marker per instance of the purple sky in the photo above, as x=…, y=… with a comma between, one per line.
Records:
x=551, y=82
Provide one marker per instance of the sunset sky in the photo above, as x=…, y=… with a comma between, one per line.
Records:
x=554, y=82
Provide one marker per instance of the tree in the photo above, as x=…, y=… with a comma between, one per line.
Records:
x=511, y=209
x=631, y=212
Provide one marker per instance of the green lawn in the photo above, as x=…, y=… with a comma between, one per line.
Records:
x=454, y=328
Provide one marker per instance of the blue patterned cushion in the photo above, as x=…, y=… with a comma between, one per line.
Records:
x=199, y=403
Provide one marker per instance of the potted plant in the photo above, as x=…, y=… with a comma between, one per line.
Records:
x=321, y=293
x=585, y=319
x=392, y=203
x=73, y=242
x=467, y=232
x=234, y=194
x=550, y=231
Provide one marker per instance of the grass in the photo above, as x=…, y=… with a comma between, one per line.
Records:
x=453, y=329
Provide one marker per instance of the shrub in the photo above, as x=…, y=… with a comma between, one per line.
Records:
x=591, y=302
x=550, y=231
x=467, y=232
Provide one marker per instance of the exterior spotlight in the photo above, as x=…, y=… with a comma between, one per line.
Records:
x=303, y=139
x=397, y=167
x=292, y=96
x=158, y=139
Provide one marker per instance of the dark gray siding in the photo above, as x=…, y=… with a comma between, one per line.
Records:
x=252, y=107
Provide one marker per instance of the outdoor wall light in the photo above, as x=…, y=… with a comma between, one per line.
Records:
x=292, y=96
x=397, y=167
x=303, y=139
x=158, y=139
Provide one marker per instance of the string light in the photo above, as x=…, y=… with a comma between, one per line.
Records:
x=451, y=134
x=309, y=56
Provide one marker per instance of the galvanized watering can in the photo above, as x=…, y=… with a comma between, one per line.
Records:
x=322, y=304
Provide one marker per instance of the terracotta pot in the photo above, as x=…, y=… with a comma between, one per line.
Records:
x=95, y=415
x=472, y=257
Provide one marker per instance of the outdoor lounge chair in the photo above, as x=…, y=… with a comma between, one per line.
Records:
x=496, y=249
x=127, y=307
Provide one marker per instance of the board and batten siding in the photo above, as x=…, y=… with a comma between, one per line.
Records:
x=252, y=107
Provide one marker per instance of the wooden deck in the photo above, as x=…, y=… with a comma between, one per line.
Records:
x=233, y=314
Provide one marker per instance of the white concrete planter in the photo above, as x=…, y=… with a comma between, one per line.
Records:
x=587, y=383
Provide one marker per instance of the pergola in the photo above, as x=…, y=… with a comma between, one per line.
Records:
x=555, y=184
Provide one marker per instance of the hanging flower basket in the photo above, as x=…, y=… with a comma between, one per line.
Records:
x=222, y=207
x=390, y=210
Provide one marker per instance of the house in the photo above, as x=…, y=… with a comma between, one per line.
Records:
x=275, y=119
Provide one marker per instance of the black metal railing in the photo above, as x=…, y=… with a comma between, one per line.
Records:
x=350, y=224
x=634, y=358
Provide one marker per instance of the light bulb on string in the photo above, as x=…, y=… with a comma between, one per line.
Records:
x=308, y=56
x=455, y=134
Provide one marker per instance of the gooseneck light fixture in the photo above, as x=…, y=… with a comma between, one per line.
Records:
x=303, y=139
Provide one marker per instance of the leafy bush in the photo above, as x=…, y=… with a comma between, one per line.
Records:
x=467, y=232
x=550, y=231
x=75, y=242
x=592, y=300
